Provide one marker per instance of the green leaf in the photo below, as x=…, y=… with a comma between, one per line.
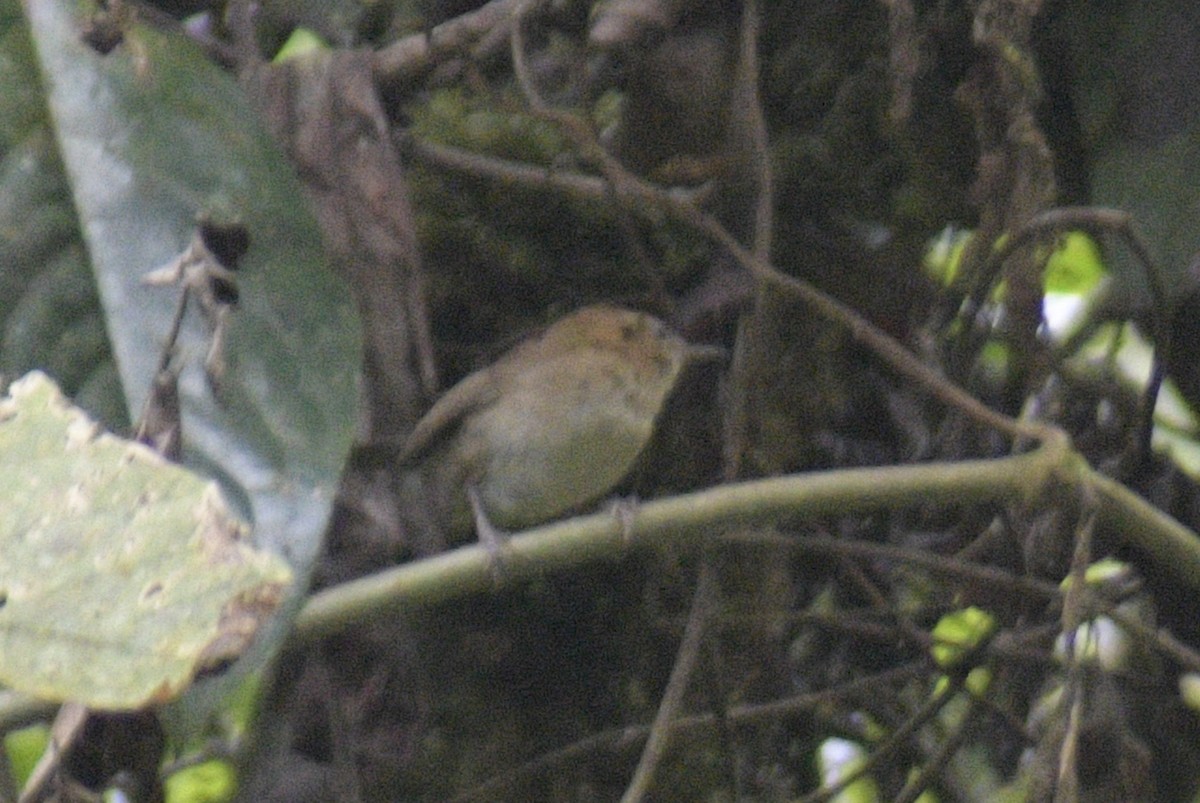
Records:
x=1075, y=265
x=24, y=747
x=957, y=633
x=154, y=138
x=121, y=575
x=209, y=782
x=943, y=257
x=300, y=44
x=49, y=312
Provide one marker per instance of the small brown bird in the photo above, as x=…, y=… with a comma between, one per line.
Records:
x=553, y=424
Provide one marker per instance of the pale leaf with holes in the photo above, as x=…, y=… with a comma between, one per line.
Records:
x=122, y=576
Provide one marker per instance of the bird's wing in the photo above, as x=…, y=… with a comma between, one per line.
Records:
x=476, y=391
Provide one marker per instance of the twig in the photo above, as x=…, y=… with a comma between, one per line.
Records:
x=505, y=171
x=894, y=741
x=972, y=573
x=739, y=716
x=903, y=622
x=685, y=661
x=945, y=749
x=405, y=59
x=748, y=106
x=64, y=734
x=1073, y=614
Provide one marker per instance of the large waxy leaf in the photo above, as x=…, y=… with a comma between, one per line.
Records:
x=154, y=139
x=49, y=313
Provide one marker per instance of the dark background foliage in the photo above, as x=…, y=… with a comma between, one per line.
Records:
x=464, y=215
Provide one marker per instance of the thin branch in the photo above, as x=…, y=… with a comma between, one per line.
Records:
x=504, y=171
x=894, y=741
x=602, y=536
x=747, y=106
x=1073, y=614
x=407, y=58
x=739, y=716
x=975, y=574
x=703, y=601
x=945, y=749
x=65, y=733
